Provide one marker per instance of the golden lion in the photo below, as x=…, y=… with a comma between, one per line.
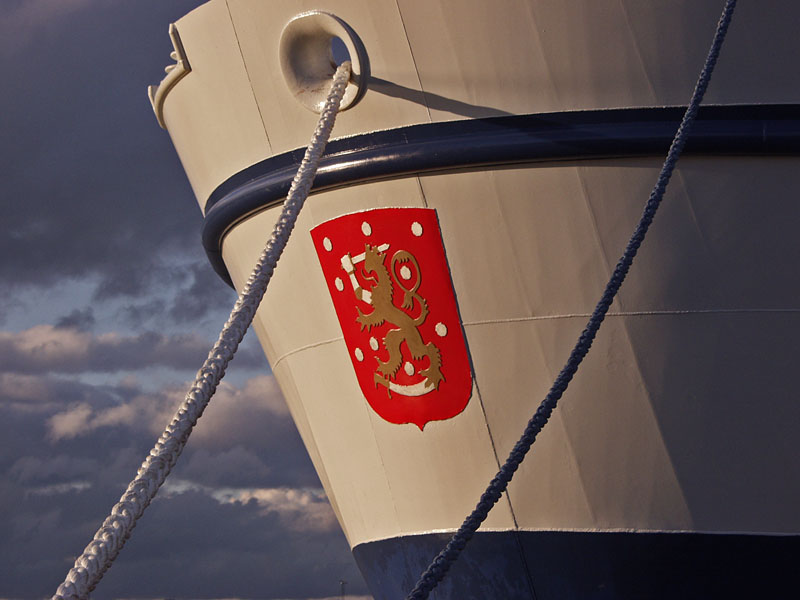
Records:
x=384, y=310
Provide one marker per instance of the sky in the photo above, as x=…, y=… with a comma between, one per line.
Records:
x=108, y=307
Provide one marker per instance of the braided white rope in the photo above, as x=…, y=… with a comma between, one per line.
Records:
x=116, y=529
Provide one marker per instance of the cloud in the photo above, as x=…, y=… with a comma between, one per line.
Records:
x=239, y=413
x=259, y=397
x=183, y=293
x=80, y=319
x=94, y=195
x=137, y=314
x=246, y=437
x=187, y=544
x=203, y=294
x=22, y=22
x=337, y=597
x=70, y=423
x=24, y=391
x=195, y=546
x=299, y=509
x=129, y=279
x=43, y=395
x=53, y=349
x=58, y=468
x=46, y=348
x=243, y=500
x=237, y=466
x=59, y=488
x=92, y=185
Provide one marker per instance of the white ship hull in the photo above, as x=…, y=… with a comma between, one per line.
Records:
x=669, y=469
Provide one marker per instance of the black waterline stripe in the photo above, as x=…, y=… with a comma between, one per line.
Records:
x=608, y=565
x=770, y=129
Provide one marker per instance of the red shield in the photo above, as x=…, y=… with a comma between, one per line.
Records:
x=388, y=277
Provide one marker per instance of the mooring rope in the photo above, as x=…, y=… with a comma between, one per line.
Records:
x=97, y=557
x=445, y=559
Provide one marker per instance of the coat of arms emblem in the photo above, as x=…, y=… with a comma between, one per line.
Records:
x=388, y=277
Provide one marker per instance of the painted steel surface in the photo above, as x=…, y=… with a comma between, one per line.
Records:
x=651, y=437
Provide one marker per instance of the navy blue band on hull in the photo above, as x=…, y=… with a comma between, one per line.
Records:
x=552, y=565
x=498, y=141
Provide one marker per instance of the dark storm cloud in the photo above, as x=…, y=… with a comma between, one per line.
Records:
x=273, y=561
x=53, y=349
x=192, y=546
x=237, y=467
x=53, y=470
x=91, y=185
x=29, y=394
x=44, y=348
x=245, y=437
x=187, y=545
x=139, y=314
x=70, y=448
x=81, y=319
x=131, y=280
x=202, y=295
x=30, y=459
x=93, y=193
x=185, y=295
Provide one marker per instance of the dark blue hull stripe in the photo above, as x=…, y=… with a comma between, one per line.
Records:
x=550, y=565
x=486, y=143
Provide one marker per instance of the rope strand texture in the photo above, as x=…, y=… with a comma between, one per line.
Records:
x=442, y=563
x=97, y=557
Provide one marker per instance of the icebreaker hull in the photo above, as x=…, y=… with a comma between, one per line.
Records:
x=535, y=131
